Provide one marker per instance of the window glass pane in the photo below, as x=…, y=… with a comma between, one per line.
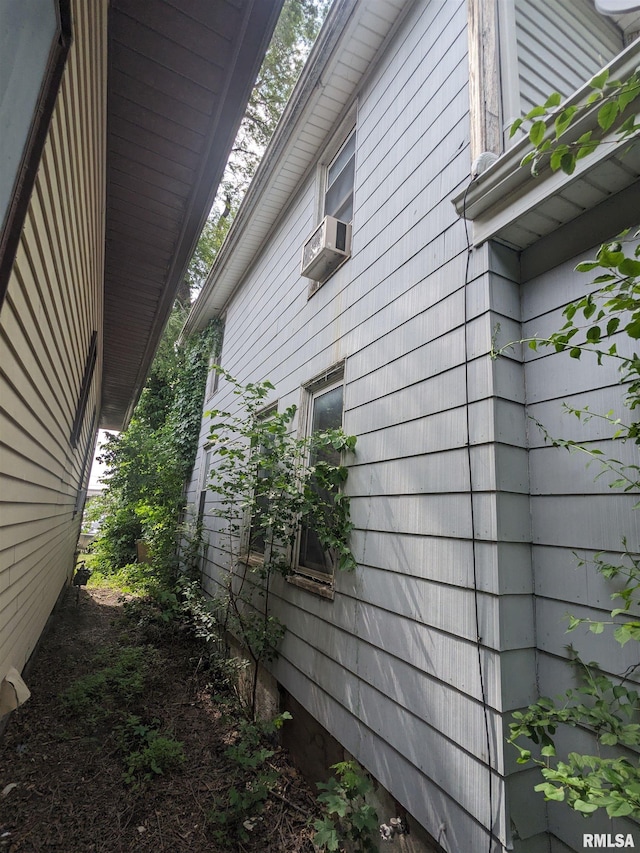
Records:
x=346, y=153
x=327, y=410
x=326, y=414
x=340, y=179
x=339, y=197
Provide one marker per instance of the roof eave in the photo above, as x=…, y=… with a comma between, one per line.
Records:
x=314, y=83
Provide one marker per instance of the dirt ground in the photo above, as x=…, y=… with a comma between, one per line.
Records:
x=61, y=779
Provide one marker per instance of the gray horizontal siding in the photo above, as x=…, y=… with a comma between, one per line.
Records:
x=561, y=43
x=573, y=515
x=390, y=666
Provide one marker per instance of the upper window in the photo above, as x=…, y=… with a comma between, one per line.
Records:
x=325, y=412
x=338, y=197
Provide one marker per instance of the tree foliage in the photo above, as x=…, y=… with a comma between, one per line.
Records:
x=148, y=462
x=294, y=35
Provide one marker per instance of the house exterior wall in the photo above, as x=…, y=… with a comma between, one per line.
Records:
x=453, y=617
x=391, y=666
x=52, y=307
x=549, y=46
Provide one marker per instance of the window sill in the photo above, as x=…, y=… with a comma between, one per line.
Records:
x=323, y=590
x=251, y=560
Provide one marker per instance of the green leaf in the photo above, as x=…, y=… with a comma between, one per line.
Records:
x=536, y=133
x=633, y=328
x=621, y=809
x=612, y=325
x=629, y=267
x=594, y=334
x=326, y=836
x=535, y=113
x=514, y=127
x=598, y=82
x=563, y=121
x=550, y=791
x=585, y=808
x=607, y=114
x=556, y=158
x=568, y=163
x=553, y=100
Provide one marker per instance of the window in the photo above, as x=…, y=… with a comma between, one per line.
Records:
x=325, y=406
x=34, y=42
x=338, y=196
x=256, y=541
x=81, y=492
x=85, y=386
x=213, y=378
x=204, y=483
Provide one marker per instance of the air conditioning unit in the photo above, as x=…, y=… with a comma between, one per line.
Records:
x=327, y=248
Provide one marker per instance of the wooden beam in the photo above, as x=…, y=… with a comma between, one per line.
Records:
x=484, y=78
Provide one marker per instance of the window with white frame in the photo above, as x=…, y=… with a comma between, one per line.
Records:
x=340, y=177
x=329, y=245
x=325, y=404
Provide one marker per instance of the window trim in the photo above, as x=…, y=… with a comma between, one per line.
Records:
x=311, y=580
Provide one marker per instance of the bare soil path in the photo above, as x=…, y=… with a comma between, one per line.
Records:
x=61, y=778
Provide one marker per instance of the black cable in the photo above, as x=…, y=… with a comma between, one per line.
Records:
x=485, y=706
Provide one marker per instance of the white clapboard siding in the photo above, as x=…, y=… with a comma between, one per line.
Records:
x=561, y=43
x=53, y=305
x=390, y=665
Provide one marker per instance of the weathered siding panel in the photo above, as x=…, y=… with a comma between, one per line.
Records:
x=561, y=43
x=52, y=307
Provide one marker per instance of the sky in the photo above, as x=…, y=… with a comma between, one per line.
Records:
x=97, y=470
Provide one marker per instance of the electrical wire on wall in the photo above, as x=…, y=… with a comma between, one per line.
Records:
x=476, y=595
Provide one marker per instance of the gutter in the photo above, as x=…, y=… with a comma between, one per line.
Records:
x=506, y=182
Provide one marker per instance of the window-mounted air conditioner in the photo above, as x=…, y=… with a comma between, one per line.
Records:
x=327, y=248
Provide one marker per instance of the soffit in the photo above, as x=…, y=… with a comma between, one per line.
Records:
x=180, y=75
x=354, y=32
x=508, y=204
